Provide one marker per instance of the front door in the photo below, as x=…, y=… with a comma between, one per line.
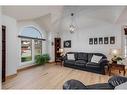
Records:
x=3, y=53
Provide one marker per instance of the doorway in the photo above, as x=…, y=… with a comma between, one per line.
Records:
x=3, y=53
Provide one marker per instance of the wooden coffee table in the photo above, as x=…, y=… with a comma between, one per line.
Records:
x=114, y=66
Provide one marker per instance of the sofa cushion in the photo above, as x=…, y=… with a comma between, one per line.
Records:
x=96, y=58
x=97, y=54
x=93, y=64
x=89, y=57
x=69, y=62
x=70, y=57
x=82, y=56
x=80, y=63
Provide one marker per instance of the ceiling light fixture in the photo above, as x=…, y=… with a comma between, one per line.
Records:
x=72, y=26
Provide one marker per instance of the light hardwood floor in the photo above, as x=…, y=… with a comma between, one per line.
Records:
x=51, y=76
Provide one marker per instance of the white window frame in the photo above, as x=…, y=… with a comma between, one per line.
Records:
x=33, y=50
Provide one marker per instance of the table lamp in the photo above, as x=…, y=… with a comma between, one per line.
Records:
x=61, y=50
x=115, y=55
x=115, y=52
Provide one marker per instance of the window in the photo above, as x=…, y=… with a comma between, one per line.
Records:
x=125, y=47
x=31, y=44
x=31, y=32
x=38, y=47
x=26, y=50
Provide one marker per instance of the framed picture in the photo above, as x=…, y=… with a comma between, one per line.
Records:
x=67, y=44
x=90, y=41
x=101, y=40
x=112, y=40
x=95, y=41
x=105, y=40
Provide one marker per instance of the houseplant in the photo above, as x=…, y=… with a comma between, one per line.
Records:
x=117, y=59
x=46, y=57
x=42, y=59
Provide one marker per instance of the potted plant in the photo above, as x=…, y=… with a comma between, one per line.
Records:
x=42, y=59
x=117, y=59
x=46, y=57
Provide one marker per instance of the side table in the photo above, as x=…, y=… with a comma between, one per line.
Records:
x=59, y=60
x=120, y=67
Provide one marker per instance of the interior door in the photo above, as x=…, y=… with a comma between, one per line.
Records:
x=3, y=53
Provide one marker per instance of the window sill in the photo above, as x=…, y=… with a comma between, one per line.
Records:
x=26, y=64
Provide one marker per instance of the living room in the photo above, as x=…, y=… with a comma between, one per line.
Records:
x=85, y=33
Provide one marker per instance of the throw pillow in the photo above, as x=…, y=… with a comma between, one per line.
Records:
x=122, y=86
x=96, y=58
x=70, y=57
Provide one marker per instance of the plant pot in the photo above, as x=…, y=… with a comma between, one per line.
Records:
x=114, y=62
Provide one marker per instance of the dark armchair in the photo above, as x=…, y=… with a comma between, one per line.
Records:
x=111, y=84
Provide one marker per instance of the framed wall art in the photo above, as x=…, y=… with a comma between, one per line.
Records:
x=100, y=40
x=112, y=40
x=90, y=41
x=106, y=40
x=95, y=41
x=67, y=44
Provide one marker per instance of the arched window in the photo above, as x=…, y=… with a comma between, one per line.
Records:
x=31, y=32
x=31, y=43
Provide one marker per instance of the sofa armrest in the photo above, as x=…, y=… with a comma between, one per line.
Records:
x=103, y=62
x=64, y=58
x=117, y=80
x=73, y=84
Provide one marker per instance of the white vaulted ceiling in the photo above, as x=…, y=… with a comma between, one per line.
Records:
x=47, y=16
x=28, y=12
x=109, y=13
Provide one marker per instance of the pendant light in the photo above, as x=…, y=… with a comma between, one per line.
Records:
x=72, y=26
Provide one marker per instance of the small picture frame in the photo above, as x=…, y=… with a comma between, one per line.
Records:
x=95, y=41
x=90, y=41
x=106, y=40
x=100, y=40
x=67, y=44
x=112, y=40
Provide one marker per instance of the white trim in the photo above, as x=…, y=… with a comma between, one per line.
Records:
x=31, y=26
x=37, y=28
x=25, y=63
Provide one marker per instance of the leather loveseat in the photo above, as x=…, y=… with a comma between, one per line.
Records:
x=82, y=61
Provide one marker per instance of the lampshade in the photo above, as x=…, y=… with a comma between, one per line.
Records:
x=61, y=50
x=115, y=52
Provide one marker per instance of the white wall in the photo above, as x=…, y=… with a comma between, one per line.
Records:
x=51, y=49
x=21, y=25
x=91, y=28
x=0, y=49
x=13, y=29
x=11, y=44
